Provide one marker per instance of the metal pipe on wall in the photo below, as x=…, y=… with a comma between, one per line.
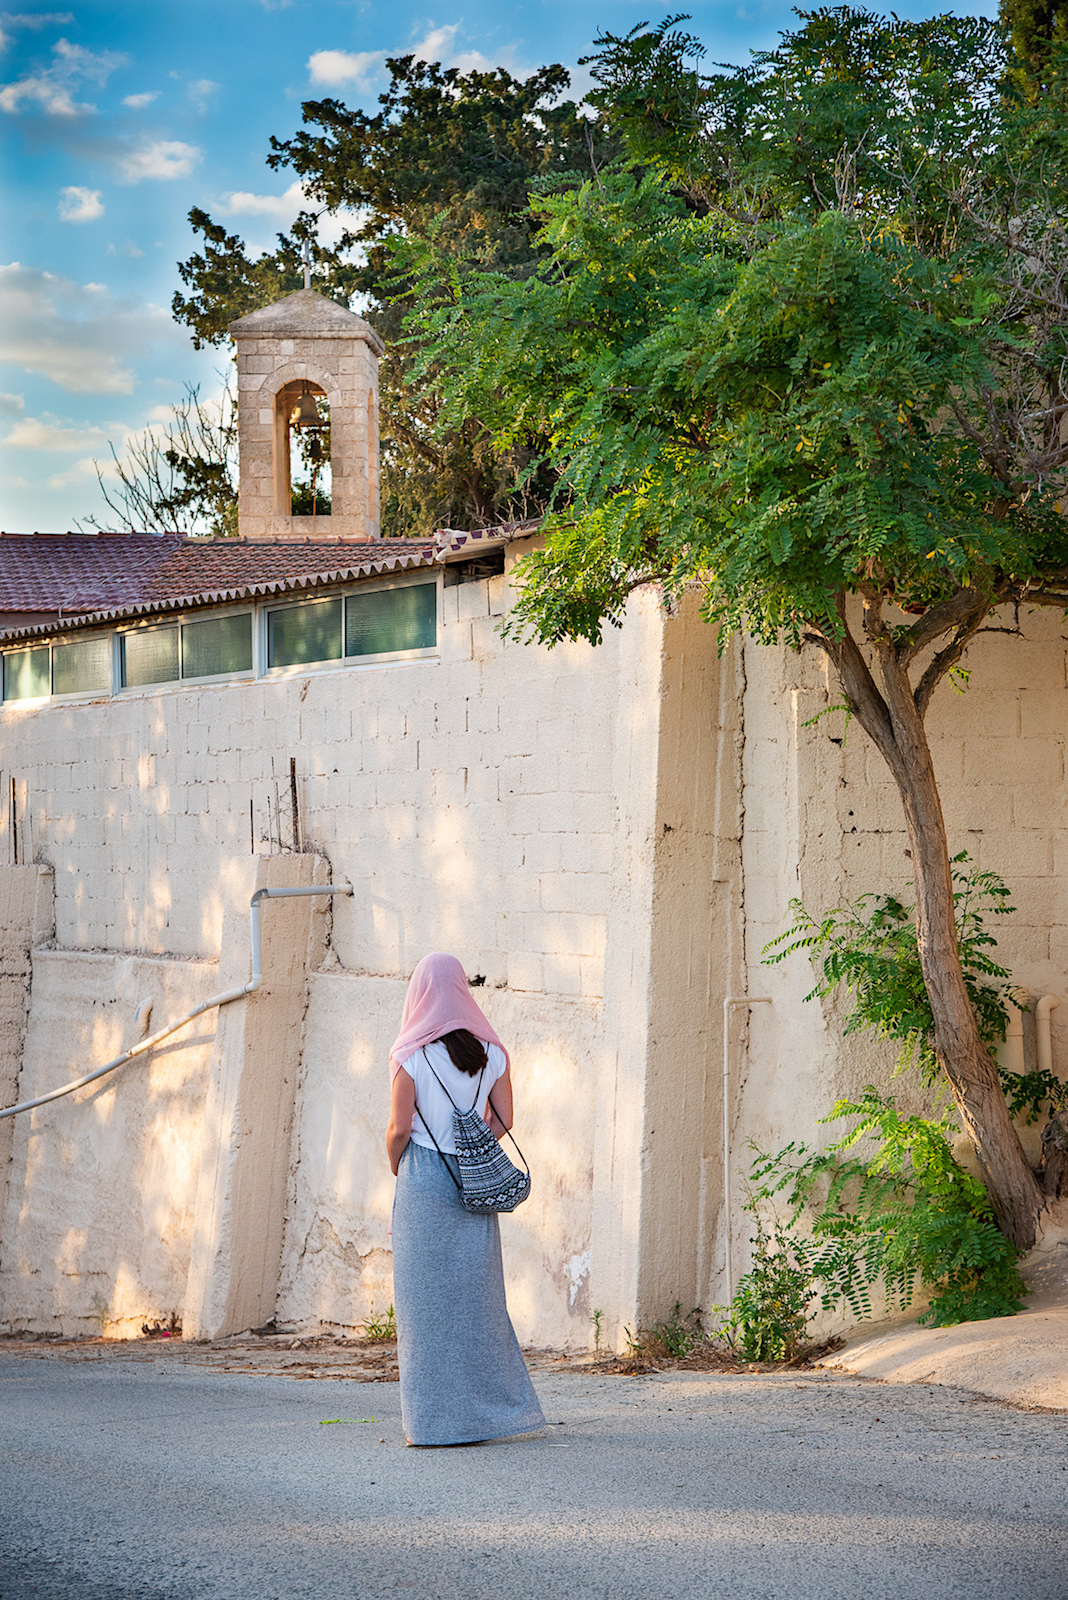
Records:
x=216, y=1000
x=1043, y=1032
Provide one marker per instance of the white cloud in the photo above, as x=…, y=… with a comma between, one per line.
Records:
x=34, y=433
x=83, y=471
x=44, y=434
x=163, y=158
x=38, y=19
x=34, y=20
x=79, y=335
x=52, y=88
x=339, y=69
x=11, y=405
x=79, y=205
x=138, y=102
x=47, y=434
x=281, y=207
x=129, y=250
x=439, y=45
x=201, y=90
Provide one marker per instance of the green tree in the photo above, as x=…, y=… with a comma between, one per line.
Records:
x=809, y=352
x=449, y=155
x=1036, y=28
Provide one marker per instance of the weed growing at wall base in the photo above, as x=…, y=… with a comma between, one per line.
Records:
x=380, y=1329
x=768, y=1317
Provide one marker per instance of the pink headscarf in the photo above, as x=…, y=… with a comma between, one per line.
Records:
x=438, y=1001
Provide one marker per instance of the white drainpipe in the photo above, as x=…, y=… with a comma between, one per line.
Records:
x=1043, y=1039
x=1011, y=1048
x=216, y=1000
x=731, y=1001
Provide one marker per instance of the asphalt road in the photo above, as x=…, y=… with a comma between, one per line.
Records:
x=125, y=1482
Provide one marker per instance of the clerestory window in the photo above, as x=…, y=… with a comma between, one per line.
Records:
x=212, y=648
x=400, y=621
x=395, y=621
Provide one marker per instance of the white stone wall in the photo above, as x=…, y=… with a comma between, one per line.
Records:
x=469, y=800
x=336, y=1266
x=99, y=1222
x=608, y=837
x=823, y=823
x=25, y=920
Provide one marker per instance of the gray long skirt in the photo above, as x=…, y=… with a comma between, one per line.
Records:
x=462, y=1373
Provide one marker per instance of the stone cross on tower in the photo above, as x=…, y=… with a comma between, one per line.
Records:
x=306, y=345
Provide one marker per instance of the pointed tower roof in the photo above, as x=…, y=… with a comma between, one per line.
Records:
x=306, y=315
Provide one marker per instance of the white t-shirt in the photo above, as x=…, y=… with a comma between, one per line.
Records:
x=433, y=1108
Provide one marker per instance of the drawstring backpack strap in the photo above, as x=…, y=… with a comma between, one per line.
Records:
x=455, y=1107
x=478, y=1091
x=445, y=1092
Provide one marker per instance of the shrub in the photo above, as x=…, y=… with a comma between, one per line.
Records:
x=908, y=1214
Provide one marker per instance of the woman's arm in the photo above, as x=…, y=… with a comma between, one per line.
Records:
x=401, y=1112
x=499, y=1115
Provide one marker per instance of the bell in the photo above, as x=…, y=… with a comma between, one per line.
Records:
x=315, y=448
x=306, y=414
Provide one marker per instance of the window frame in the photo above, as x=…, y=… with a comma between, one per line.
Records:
x=25, y=700
x=73, y=696
x=343, y=663
x=178, y=621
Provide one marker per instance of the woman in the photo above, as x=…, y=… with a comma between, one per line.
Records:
x=462, y=1374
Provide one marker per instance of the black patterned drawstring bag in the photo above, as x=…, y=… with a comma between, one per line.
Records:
x=489, y=1181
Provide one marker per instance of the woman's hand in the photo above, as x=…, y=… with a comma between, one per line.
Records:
x=401, y=1112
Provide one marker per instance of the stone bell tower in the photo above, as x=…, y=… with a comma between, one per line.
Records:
x=302, y=350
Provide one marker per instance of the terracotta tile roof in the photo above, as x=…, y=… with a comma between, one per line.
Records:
x=219, y=566
x=79, y=572
x=107, y=576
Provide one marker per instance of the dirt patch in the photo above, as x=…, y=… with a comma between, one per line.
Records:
x=288, y=1355
x=284, y=1355
x=277, y=1355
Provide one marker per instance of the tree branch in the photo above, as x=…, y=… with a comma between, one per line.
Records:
x=939, y=619
x=944, y=660
x=858, y=685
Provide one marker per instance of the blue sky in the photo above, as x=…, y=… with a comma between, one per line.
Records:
x=117, y=117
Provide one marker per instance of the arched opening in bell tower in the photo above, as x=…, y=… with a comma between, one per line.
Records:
x=303, y=482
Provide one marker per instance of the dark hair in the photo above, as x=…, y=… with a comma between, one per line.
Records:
x=465, y=1051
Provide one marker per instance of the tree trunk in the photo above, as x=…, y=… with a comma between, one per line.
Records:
x=965, y=1059
x=1054, y=1172
x=1014, y=1191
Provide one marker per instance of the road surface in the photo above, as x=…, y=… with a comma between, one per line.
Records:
x=121, y=1481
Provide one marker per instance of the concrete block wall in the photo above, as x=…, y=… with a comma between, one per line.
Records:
x=607, y=837
x=470, y=801
x=99, y=1222
x=823, y=823
x=26, y=915
x=336, y=1263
